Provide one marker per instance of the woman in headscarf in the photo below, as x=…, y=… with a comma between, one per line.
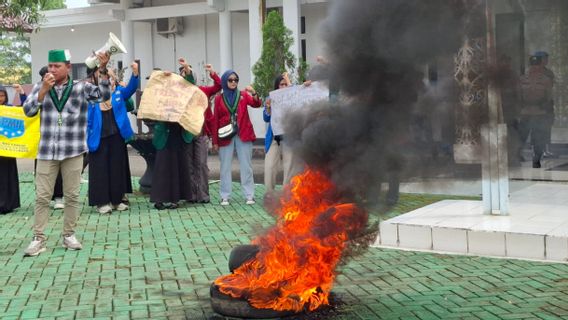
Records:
x=199, y=148
x=231, y=109
x=9, y=183
x=272, y=148
x=108, y=130
x=173, y=170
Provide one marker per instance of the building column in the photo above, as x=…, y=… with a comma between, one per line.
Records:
x=255, y=33
x=292, y=14
x=225, y=40
x=127, y=37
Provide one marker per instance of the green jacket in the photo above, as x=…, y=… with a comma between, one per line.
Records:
x=161, y=133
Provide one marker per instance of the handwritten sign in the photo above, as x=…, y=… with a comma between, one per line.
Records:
x=171, y=98
x=284, y=101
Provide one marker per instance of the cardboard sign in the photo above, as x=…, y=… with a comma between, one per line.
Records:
x=284, y=101
x=19, y=134
x=171, y=98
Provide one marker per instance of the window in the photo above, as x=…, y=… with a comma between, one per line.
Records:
x=79, y=71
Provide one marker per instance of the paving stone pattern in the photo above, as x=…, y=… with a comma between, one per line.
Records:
x=149, y=264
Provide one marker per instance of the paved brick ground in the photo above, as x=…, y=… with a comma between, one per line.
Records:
x=149, y=264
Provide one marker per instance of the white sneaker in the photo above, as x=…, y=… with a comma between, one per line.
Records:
x=83, y=180
x=36, y=247
x=120, y=207
x=104, y=209
x=251, y=201
x=71, y=243
x=224, y=202
x=59, y=204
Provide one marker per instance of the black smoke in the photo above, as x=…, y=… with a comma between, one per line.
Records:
x=376, y=51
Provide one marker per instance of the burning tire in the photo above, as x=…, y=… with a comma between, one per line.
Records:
x=240, y=308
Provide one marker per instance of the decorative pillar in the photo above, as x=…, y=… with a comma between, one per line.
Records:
x=480, y=135
x=225, y=40
x=127, y=37
x=494, y=165
x=255, y=32
x=292, y=14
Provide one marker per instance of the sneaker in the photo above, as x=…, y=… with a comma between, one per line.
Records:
x=250, y=201
x=36, y=247
x=548, y=154
x=120, y=207
x=59, y=204
x=71, y=243
x=224, y=202
x=104, y=209
x=83, y=181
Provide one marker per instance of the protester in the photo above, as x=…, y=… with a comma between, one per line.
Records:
x=107, y=130
x=172, y=172
x=536, y=93
x=198, y=150
x=63, y=103
x=9, y=184
x=57, y=197
x=272, y=148
x=230, y=114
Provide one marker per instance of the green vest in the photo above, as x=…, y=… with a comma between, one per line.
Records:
x=161, y=133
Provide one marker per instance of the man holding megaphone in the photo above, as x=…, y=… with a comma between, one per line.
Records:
x=63, y=103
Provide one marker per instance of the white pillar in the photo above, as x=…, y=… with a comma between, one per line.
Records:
x=225, y=40
x=255, y=33
x=292, y=14
x=127, y=37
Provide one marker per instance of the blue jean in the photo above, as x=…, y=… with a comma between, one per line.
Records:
x=244, y=155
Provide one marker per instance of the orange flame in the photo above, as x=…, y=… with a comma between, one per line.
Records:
x=295, y=267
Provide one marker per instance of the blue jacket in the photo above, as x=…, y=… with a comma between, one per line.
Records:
x=118, y=101
x=269, y=134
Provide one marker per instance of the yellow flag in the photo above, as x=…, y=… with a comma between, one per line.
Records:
x=19, y=135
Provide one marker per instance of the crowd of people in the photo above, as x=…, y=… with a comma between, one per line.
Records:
x=90, y=116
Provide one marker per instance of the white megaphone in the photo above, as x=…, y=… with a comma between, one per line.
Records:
x=112, y=46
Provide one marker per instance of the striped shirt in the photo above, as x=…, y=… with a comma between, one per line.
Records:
x=67, y=138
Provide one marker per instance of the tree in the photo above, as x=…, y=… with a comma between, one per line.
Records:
x=18, y=17
x=276, y=57
x=15, y=66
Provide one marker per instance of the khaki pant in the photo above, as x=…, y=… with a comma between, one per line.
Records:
x=46, y=175
x=272, y=164
x=279, y=155
x=292, y=164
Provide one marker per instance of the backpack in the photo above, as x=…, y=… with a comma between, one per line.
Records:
x=536, y=89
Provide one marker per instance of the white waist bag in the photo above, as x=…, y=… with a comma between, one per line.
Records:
x=230, y=130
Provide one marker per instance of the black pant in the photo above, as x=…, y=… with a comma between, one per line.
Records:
x=536, y=127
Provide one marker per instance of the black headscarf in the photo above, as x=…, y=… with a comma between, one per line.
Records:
x=277, y=81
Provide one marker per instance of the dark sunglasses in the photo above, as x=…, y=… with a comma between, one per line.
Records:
x=233, y=80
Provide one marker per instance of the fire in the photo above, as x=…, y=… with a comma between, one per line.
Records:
x=295, y=267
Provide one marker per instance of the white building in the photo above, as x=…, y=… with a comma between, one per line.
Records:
x=225, y=33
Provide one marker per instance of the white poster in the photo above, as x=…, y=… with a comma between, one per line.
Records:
x=284, y=101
